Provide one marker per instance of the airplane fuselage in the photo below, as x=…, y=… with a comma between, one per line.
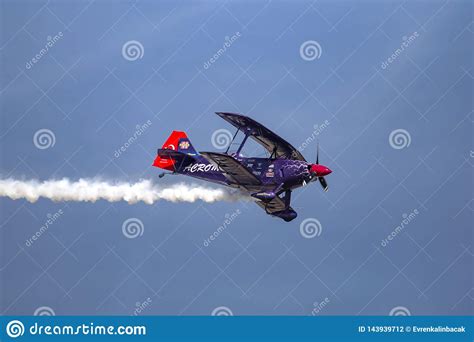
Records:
x=291, y=174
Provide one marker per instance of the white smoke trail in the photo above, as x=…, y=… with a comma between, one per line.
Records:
x=91, y=190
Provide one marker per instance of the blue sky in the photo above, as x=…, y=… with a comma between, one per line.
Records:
x=91, y=98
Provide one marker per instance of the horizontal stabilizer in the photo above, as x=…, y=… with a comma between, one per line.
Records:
x=178, y=159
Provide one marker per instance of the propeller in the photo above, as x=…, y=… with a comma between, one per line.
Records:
x=317, y=154
x=320, y=171
x=323, y=183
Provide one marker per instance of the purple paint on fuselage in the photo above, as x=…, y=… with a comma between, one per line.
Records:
x=271, y=172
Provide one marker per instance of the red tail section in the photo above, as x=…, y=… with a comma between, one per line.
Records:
x=172, y=143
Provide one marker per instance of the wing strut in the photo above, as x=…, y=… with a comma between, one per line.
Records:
x=274, y=152
x=230, y=144
x=242, y=145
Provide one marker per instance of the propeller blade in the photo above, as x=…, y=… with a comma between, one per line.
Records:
x=323, y=183
x=317, y=154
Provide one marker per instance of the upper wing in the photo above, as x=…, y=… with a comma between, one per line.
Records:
x=262, y=135
x=233, y=170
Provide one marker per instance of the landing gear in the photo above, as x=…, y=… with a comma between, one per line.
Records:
x=289, y=214
x=287, y=199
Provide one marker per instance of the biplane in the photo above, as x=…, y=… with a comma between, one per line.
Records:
x=269, y=180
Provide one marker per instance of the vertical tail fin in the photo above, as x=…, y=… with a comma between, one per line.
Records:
x=177, y=141
x=180, y=142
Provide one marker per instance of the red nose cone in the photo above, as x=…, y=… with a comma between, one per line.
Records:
x=320, y=170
